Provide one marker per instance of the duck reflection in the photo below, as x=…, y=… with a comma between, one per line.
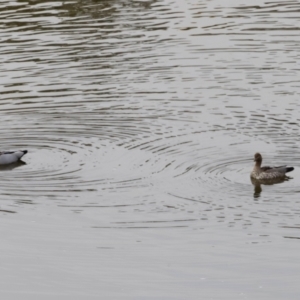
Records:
x=258, y=183
x=10, y=167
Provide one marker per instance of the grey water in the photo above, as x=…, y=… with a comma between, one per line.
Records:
x=141, y=119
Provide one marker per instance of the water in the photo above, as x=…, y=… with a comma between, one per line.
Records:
x=141, y=119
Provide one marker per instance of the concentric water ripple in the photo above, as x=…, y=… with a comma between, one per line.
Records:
x=141, y=119
x=155, y=107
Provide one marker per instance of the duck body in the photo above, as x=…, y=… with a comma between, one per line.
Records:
x=268, y=173
x=9, y=157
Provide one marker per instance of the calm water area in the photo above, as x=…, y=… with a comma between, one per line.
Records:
x=141, y=120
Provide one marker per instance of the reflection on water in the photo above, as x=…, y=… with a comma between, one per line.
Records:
x=258, y=183
x=10, y=167
x=144, y=115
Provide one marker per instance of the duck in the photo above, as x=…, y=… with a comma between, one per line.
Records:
x=268, y=173
x=10, y=157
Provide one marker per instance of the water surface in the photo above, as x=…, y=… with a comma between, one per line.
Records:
x=141, y=119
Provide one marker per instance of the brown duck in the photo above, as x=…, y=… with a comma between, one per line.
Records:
x=266, y=173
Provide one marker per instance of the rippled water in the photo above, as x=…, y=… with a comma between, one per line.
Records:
x=141, y=119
